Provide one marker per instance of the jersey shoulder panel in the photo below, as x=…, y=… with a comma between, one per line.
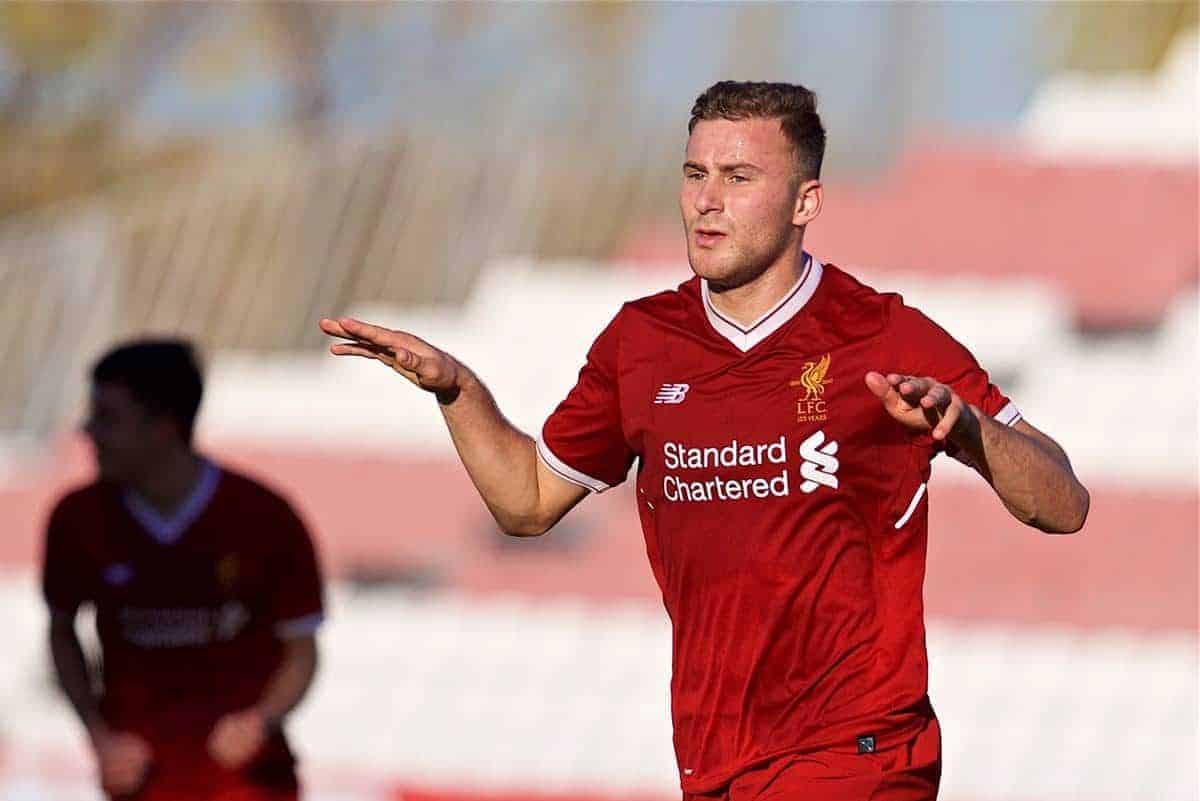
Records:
x=850, y=310
x=917, y=345
x=637, y=333
x=914, y=335
x=252, y=500
x=251, y=490
x=80, y=505
x=854, y=305
x=670, y=305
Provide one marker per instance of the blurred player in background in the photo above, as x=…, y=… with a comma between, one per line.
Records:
x=783, y=417
x=207, y=597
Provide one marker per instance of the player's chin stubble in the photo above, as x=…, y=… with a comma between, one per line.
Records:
x=725, y=271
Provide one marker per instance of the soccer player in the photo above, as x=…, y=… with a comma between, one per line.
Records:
x=783, y=417
x=206, y=592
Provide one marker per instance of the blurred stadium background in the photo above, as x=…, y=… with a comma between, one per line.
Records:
x=498, y=178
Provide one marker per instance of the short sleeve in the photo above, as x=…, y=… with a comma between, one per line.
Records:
x=64, y=583
x=296, y=606
x=583, y=440
x=926, y=349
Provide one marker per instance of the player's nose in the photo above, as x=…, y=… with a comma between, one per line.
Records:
x=708, y=198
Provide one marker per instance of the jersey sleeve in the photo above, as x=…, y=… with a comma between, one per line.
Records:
x=296, y=605
x=583, y=440
x=926, y=349
x=65, y=585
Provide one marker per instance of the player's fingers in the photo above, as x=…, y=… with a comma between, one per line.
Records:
x=912, y=389
x=949, y=419
x=378, y=335
x=358, y=331
x=369, y=334
x=131, y=752
x=334, y=328
x=357, y=349
x=236, y=746
x=118, y=784
x=342, y=349
x=938, y=397
x=400, y=359
x=878, y=384
x=410, y=361
x=222, y=753
x=410, y=365
x=214, y=740
x=124, y=776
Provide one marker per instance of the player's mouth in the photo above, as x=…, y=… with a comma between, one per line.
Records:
x=708, y=237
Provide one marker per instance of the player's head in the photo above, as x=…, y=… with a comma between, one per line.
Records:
x=144, y=399
x=751, y=177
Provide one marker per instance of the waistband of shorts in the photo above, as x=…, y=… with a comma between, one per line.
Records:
x=838, y=737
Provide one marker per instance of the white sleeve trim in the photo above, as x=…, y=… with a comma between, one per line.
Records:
x=300, y=626
x=1010, y=415
x=912, y=506
x=565, y=471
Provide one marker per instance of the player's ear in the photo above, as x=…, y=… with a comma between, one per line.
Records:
x=810, y=195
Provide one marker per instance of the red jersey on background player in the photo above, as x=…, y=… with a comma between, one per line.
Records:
x=207, y=598
x=783, y=417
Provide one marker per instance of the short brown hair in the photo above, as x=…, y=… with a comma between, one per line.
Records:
x=794, y=106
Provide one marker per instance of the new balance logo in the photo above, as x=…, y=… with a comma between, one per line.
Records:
x=118, y=574
x=819, y=467
x=671, y=393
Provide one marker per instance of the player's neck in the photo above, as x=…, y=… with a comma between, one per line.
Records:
x=171, y=482
x=746, y=303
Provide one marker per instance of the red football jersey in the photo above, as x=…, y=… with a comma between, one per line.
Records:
x=784, y=511
x=191, y=613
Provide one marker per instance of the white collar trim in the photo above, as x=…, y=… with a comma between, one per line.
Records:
x=746, y=338
x=168, y=530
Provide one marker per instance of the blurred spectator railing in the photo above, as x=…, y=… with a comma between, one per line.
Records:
x=249, y=244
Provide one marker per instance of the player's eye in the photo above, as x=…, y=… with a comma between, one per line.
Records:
x=738, y=179
x=694, y=175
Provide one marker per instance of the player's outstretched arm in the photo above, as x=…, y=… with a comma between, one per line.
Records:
x=524, y=496
x=1028, y=470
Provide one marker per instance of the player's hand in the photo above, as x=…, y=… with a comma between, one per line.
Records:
x=123, y=759
x=923, y=404
x=418, y=361
x=237, y=737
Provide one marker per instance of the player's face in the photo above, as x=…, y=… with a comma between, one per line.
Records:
x=739, y=197
x=128, y=439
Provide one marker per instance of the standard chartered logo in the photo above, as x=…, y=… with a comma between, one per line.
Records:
x=818, y=468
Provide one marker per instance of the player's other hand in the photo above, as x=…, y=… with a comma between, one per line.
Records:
x=123, y=759
x=237, y=737
x=421, y=363
x=923, y=404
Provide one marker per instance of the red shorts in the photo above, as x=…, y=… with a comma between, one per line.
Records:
x=239, y=794
x=182, y=771
x=244, y=792
x=907, y=771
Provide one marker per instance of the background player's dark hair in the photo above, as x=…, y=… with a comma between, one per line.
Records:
x=162, y=374
x=794, y=106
